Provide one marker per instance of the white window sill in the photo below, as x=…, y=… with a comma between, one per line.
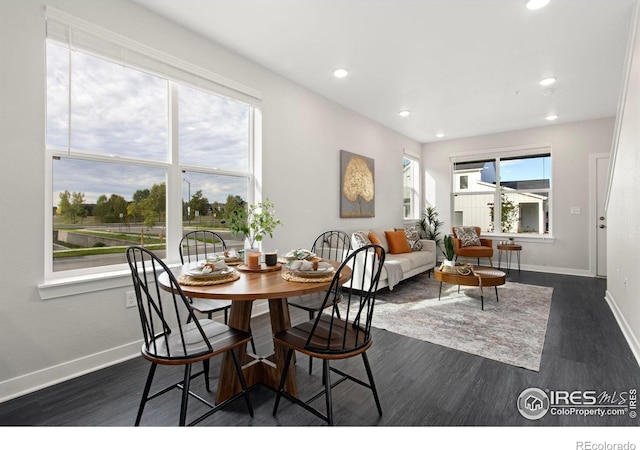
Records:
x=539, y=239
x=84, y=284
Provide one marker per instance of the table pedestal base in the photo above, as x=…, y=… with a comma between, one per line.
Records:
x=257, y=369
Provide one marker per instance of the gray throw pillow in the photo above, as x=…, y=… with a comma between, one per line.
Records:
x=360, y=239
x=467, y=236
x=413, y=237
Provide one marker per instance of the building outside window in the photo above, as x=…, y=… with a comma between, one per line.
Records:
x=508, y=194
x=132, y=154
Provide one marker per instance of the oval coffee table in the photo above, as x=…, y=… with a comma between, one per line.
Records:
x=480, y=276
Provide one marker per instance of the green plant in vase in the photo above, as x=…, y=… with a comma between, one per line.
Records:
x=449, y=252
x=254, y=223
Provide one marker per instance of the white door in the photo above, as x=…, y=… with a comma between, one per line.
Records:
x=602, y=172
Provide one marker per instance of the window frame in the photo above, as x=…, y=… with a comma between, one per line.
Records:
x=61, y=28
x=496, y=156
x=414, y=199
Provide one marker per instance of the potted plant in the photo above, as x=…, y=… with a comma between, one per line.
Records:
x=430, y=224
x=449, y=252
x=254, y=223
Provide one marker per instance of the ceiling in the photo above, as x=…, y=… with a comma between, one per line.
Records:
x=461, y=67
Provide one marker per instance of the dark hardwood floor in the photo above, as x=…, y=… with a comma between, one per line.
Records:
x=420, y=384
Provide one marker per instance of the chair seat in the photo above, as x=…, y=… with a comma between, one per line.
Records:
x=309, y=302
x=205, y=306
x=220, y=336
x=330, y=336
x=475, y=251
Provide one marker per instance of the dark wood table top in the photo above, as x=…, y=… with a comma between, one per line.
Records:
x=253, y=285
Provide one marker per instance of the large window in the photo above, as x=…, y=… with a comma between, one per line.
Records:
x=508, y=194
x=411, y=188
x=136, y=157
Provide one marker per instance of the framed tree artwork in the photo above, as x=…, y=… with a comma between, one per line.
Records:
x=357, y=185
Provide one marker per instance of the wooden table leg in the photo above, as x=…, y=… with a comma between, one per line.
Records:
x=280, y=320
x=228, y=383
x=256, y=369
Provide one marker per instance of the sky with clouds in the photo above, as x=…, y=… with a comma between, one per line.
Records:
x=117, y=111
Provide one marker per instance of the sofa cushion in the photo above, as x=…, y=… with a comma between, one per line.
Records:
x=413, y=236
x=359, y=239
x=374, y=240
x=421, y=259
x=397, y=241
x=412, y=260
x=468, y=236
x=382, y=238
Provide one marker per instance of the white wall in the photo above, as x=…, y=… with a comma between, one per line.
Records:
x=46, y=341
x=623, y=211
x=571, y=144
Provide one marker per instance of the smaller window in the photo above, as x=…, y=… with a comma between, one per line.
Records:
x=411, y=188
x=505, y=194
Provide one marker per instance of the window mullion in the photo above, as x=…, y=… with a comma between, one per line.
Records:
x=174, y=181
x=497, y=208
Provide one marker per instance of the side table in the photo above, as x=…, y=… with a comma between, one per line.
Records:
x=509, y=249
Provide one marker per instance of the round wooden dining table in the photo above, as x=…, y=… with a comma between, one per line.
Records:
x=250, y=286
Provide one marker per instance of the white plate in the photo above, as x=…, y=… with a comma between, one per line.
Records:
x=197, y=273
x=321, y=272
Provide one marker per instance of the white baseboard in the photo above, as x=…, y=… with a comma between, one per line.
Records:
x=631, y=338
x=555, y=270
x=34, y=381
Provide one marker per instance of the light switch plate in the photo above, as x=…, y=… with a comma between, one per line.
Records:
x=575, y=210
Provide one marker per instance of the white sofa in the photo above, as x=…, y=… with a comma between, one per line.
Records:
x=397, y=266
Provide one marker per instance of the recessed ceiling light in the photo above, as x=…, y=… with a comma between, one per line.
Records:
x=340, y=73
x=552, y=117
x=548, y=81
x=537, y=4
x=440, y=135
x=404, y=113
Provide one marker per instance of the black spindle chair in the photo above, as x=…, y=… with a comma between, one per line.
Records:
x=197, y=246
x=331, y=245
x=330, y=337
x=170, y=339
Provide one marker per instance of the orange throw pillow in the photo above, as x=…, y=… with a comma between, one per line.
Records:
x=398, y=242
x=374, y=240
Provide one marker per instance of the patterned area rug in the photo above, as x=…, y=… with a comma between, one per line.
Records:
x=511, y=330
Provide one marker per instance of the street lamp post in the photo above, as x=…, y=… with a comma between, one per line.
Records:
x=188, y=200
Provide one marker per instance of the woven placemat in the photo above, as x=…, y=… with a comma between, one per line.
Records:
x=190, y=281
x=289, y=276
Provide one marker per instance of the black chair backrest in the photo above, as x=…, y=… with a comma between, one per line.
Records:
x=355, y=306
x=164, y=315
x=332, y=245
x=200, y=244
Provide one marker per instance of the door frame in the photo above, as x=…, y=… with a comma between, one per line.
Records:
x=593, y=209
